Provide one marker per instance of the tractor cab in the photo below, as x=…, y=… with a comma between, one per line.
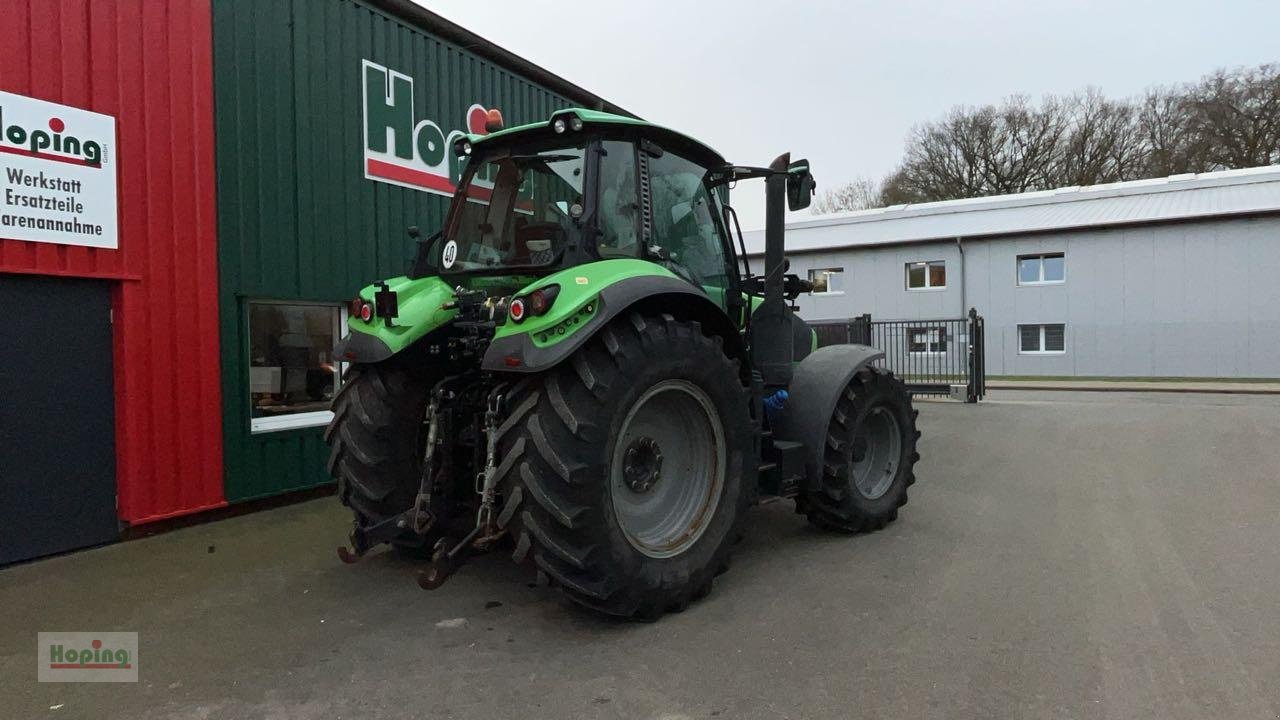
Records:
x=582, y=188
x=587, y=187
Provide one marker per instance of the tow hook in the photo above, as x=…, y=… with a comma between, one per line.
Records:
x=364, y=538
x=445, y=561
x=359, y=546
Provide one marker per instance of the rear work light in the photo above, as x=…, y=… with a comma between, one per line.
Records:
x=540, y=300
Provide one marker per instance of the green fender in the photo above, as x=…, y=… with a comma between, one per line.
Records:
x=421, y=310
x=589, y=297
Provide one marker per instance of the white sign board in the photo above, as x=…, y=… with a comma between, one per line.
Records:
x=57, y=173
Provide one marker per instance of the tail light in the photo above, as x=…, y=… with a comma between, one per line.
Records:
x=535, y=303
x=361, y=308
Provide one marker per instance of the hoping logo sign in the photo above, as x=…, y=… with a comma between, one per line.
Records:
x=399, y=148
x=57, y=173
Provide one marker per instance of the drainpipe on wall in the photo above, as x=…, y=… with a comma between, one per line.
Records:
x=964, y=306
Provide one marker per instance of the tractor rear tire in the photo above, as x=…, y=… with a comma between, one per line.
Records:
x=627, y=468
x=376, y=436
x=869, y=456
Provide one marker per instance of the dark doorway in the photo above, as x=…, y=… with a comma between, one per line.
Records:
x=57, y=417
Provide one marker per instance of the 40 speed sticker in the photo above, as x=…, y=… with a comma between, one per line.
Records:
x=449, y=255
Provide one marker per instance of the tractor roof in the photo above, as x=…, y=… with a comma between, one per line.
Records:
x=663, y=136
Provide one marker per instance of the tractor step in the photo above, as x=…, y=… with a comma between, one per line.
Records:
x=782, y=469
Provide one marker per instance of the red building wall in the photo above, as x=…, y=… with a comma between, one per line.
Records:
x=148, y=63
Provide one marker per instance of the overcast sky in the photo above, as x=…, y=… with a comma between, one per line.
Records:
x=843, y=82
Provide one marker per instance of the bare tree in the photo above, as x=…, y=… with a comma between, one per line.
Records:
x=1172, y=147
x=1236, y=116
x=858, y=194
x=1229, y=119
x=991, y=150
x=1103, y=142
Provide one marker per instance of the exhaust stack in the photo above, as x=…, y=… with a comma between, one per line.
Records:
x=772, y=347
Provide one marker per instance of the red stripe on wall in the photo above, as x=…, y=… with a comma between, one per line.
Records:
x=417, y=178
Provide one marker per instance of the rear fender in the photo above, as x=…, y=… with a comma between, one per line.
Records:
x=816, y=385
x=590, y=297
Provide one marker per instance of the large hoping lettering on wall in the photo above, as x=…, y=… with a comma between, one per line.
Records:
x=401, y=149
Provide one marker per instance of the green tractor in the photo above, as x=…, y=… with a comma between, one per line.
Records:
x=582, y=367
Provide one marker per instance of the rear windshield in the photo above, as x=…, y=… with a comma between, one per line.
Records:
x=514, y=211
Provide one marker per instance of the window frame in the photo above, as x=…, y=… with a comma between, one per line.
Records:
x=906, y=279
x=300, y=420
x=829, y=271
x=1042, y=344
x=1017, y=269
x=930, y=344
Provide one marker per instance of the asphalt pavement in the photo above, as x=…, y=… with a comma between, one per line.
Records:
x=1064, y=555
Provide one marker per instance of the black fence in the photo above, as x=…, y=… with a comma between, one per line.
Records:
x=930, y=355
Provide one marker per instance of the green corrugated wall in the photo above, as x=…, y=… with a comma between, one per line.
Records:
x=297, y=219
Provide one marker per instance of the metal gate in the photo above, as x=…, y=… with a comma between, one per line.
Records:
x=930, y=355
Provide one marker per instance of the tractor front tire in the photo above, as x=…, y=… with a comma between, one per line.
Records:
x=627, y=469
x=869, y=456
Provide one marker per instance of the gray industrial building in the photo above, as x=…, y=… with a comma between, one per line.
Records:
x=1175, y=276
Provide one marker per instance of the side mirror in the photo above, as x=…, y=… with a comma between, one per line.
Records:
x=800, y=185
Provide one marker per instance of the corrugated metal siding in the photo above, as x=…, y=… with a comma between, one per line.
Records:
x=148, y=64
x=1192, y=299
x=297, y=218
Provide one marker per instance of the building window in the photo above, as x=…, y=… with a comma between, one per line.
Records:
x=927, y=341
x=292, y=373
x=1044, y=269
x=1046, y=339
x=827, y=281
x=927, y=275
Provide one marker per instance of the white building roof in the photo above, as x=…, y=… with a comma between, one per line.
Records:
x=1178, y=197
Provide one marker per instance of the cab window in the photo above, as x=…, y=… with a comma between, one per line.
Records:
x=684, y=226
x=619, y=215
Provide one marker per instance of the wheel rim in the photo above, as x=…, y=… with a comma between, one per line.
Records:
x=667, y=468
x=877, y=451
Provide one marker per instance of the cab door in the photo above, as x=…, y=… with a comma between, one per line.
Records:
x=685, y=227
